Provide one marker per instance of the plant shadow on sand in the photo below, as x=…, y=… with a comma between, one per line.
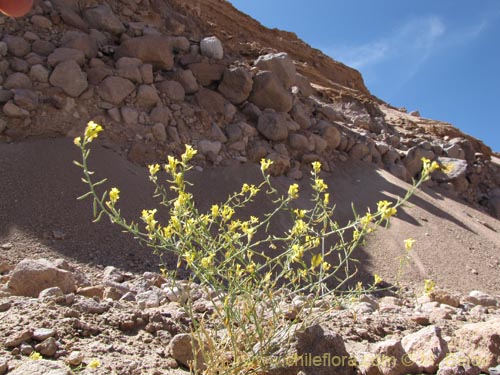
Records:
x=40, y=186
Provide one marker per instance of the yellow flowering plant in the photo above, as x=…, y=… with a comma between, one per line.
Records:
x=240, y=262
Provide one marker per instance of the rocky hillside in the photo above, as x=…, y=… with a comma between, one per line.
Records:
x=159, y=74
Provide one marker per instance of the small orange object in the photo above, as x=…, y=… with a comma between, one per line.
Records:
x=15, y=8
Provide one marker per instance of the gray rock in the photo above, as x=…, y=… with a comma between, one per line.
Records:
x=4, y=366
x=41, y=334
x=43, y=47
x=102, y=18
x=236, y=85
x=75, y=358
x=41, y=367
x=273, y=126
x=3, y=49
x=89, y=305
x=17, y=46
x=65, y=54
x=161, y=114
x=329, y=133
x=298, y=142
x=12, y=110
x=115, y=89
x=130, y=115
x=48, y=347
x=82, y=42
x=69, y=77
x=281, y=65
x=31, y=276
x=159, y=132
x=451, y=169
x=26, y=99
x=331, y=113
x=39, y=73
x=41, y=21
x=413, y=159
x=212, y=48
x=304, y=85
x=300, y=116
x=18, y=338
x=130, y=72
x=51, y=293
x=17, y=81
x=148, y=299
x=480, y=298
x=206, y=146
x=268, y=92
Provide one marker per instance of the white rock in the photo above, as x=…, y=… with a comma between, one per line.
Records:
x=212, y=48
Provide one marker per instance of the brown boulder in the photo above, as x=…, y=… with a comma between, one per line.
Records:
x=69, y=77
x=153, y=49
x=236, y=85
x=31, y=276
x=115, y=89
x=268, y=92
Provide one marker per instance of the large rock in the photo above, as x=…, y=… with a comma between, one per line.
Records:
x=32, y=276
x=236, y=85
x=426, y=348
x=69, y=77
x=281, y=65
x=413, y=159
x=12, y=110
x=318, y=352
x=17, y=46
x=212, y=48
x=181, y=349
x=273, y=126
x=268, y=92
x=115, y=89
x=17, y=81
x=451, y=169
x=172, y=89
x=187, y=79
x=102, y=18
x=211, y=101
x=387, y=358
x=147, y=97
x=329, y=133
x=42, y=367
x=64, y=54
x=153, y=49
x=480, y=341
x=207, y=73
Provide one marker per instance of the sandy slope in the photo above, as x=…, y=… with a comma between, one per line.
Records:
x=457, y=246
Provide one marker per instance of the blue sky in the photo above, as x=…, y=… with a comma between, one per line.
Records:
x=441, y=57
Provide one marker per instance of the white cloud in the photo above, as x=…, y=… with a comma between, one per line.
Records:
x=415, y=38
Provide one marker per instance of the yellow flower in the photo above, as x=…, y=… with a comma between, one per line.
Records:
x=409, y=243
x=172, y=164
x=95, y=363
x=114, y=195
x=149, y=218
x=188, y=154
x=299, y=227
x=326, y=199
x=293, y=191
x=429, y=286
x=316, y=166
x=189, y=257
x=207, y=261
x=77, y=141
x=227, y=213
x=153, y=169
x=265, y=164
x=300, y=213
x=215, y=210
x=297, y=253
x=367, y=219
x=316, y=261
x=385, y=209
x=377, y=280
x=35, y=356
x=319, y=185
x=326, y=266
x=92, y=131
